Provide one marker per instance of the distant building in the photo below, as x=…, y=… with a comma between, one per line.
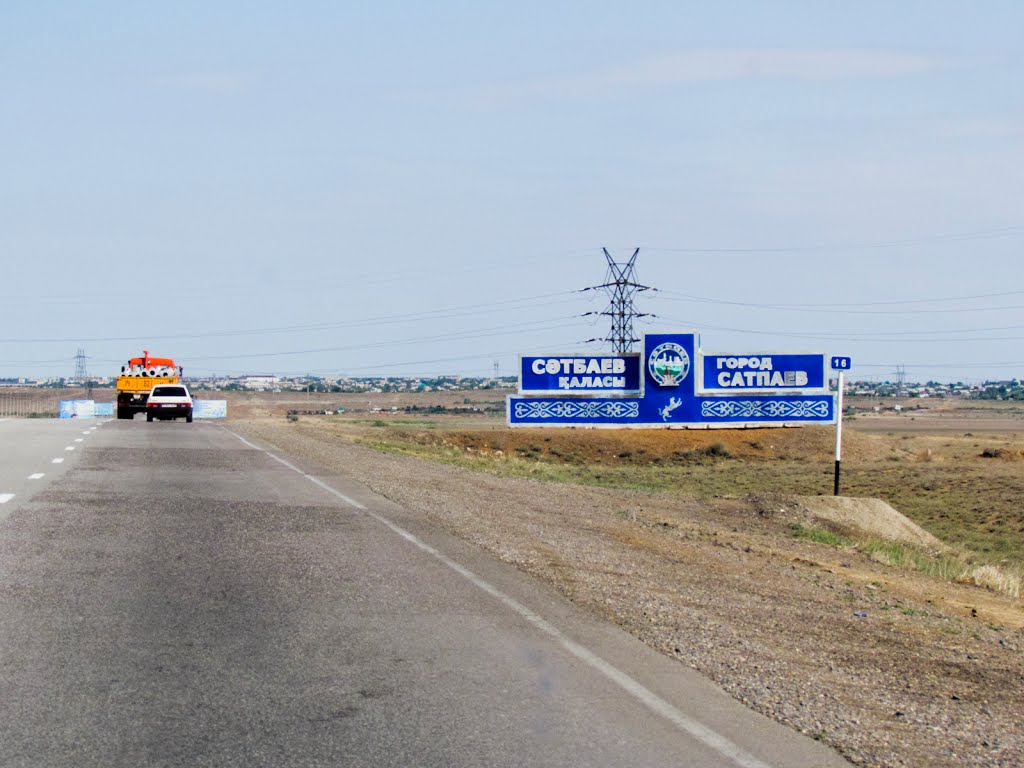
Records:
x=261, y=381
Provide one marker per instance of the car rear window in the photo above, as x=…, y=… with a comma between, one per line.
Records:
x=170, y=392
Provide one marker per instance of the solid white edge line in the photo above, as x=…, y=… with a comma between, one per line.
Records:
x=653, y=701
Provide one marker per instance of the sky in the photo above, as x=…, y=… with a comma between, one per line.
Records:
x=405, y=189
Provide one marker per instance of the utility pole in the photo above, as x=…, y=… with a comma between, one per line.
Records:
x=621, y=286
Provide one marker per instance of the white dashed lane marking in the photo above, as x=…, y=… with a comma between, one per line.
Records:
x=5, y=497
x=58, y=461
x=36, y=476
x=70, y=448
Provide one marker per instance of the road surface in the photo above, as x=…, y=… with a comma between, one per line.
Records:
x=173, y=595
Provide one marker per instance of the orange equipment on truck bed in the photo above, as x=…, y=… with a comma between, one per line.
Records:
x=146, y=361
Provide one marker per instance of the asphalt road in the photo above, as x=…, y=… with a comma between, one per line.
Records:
x=172, y=595
x=34, y=452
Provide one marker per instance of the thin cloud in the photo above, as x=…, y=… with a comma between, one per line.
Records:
x=719, y=65
x=984, y=129
x=207, y=82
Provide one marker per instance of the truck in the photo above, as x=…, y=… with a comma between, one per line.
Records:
x=137, y=379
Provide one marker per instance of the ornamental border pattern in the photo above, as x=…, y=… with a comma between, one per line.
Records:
x=765, y=409
x=568, y=409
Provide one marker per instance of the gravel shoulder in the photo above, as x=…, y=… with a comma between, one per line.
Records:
x=890, y=668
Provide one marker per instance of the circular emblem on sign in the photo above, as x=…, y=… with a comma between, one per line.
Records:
x=669, y=364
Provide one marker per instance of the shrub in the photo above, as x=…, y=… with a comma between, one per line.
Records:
x=717, y=450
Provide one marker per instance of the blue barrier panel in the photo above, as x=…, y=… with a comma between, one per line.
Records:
x=77, y=409
x=104, y=409
x=210, y=409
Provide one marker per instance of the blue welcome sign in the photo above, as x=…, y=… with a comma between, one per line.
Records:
x=579, y=375
x=760, y=373
x=678, y=386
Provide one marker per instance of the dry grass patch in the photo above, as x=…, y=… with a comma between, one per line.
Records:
x=964, y=490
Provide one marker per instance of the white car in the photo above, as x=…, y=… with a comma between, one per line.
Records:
x=169, y=401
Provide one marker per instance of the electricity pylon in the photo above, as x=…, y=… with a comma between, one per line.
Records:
x=621, y=286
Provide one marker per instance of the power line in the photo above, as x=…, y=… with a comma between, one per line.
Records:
x=468, y=310
x=847, y=304
x=870, y=335
x=479, y=333
x=392, y=275
x=845, y=336
x=983, y=234
x=945, y=365
x=560, y=347
x=829, y=309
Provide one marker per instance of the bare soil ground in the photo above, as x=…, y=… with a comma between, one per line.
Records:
x=891, y=666
x=938, y=416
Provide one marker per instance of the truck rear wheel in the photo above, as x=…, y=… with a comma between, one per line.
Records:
x=149, y=417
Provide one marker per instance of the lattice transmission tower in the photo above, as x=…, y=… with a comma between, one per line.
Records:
x=80, y=370
x=621, y=286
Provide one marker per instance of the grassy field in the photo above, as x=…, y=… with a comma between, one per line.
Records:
x=965, y=489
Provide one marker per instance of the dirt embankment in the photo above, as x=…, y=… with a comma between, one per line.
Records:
x=871, y=517
x=891, y=668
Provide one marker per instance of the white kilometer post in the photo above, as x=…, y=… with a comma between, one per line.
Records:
x=839, y=364
x=839, y=431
